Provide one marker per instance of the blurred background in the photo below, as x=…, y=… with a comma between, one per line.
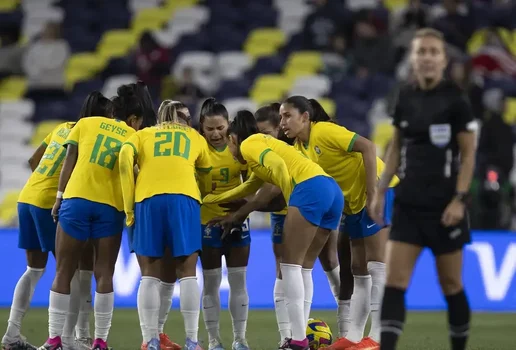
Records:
x=349, y=54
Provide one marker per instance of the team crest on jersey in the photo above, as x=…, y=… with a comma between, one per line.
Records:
x=440, y=134
x=317, y=150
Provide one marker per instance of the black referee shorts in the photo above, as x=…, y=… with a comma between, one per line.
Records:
x=424, y=229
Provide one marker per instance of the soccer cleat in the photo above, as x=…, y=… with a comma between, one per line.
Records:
x=167, y=344
x=240, y=345
x=342, y=344
x=153, y=344
x=52, y=344
x=20, y=344
x=290, y=344
x=215, y=344
x=366, y=344
x=83, y=343
x=191, y=345
x=99, y=344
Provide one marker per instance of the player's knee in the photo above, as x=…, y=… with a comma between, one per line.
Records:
x=329, y=261
x=397, y=278
x=450, y=285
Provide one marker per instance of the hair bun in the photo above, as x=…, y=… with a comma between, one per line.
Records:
x=126, y=91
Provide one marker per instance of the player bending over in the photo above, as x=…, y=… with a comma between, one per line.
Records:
x=89, y=206
x=164, y=208
x=315, y=207
x=227, y=174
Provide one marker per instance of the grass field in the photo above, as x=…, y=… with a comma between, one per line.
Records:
x=423, y=331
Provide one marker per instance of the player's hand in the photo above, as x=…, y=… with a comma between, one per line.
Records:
x=454, y=213
x=376, y=207
x=55, y=209
x=129, y=219
x=233, y=205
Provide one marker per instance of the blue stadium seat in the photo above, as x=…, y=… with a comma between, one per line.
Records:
x=83, y=88
x=266, y=65
x=350, y=86
x=234, y=88
x=225, y=38
x=119, y=66
x=258, y=15
x=192, y=42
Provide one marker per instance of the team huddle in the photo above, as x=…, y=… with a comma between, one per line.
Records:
x=184, y=193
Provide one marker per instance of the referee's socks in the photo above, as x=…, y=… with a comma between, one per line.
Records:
x=392, y=316
x=458, y=319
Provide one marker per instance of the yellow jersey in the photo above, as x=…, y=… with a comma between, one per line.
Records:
x=96, y=176
x=330, y=145
x=227, y=174
x=41, y=188
x=167, y=157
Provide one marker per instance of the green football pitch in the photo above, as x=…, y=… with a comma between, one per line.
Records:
x=423, y=331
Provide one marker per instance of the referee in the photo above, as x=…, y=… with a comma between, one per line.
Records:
x=433, y=153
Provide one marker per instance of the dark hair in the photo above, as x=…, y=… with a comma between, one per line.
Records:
x=211, y=108
x=315, y=111
x=96, y=104
x=270, y=113
x=127, y=103
x=149, y=113
x=243, y=126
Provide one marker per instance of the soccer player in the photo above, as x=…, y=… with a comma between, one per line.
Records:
x=351, y=160
x=164, y=208
x=315, y=207
x=433, y=151
x=268, y=121
x=227, y=173
x=37, y=230
x=89, y=206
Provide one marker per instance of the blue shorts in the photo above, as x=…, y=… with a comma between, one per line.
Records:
x=83, y=219
x=320, y=201
x=130, y=237
x=37, y=228
x=277, y=222
x=167, y=220
x=360, y=225
x=211, y=236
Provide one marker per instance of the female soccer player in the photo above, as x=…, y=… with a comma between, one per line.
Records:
x=315, y=207
x=37, y=229
x=351, y=160
x=433, y=147
x=227, y=174
x=165, y=212
x=89, y=206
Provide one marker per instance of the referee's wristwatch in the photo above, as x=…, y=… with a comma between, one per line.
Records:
x=461, y=196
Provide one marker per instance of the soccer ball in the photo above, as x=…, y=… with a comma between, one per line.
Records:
x=318, y=334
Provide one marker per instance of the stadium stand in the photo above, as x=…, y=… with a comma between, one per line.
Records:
x=244, y=53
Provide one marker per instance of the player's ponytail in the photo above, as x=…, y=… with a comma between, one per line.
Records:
x=127, y=103
x=212, y=108
x=143, y=94
x=96, y=105
x=167, y=113
x=243, y=125
x=319, y=114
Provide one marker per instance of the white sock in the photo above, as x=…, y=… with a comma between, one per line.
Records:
x=148, y=307
x=211, y=302
x=334, y=281
x=21, y=302
x=308, y=284
x=166, y=292
x=190, y=306
x=238, y=301
x=82, y=330
x=103, y=311
x=58, y=305
x=294, y=298
x=378, y=275
x=343, y=319
x=360, y=307
x=68, y=336
x=281, y=310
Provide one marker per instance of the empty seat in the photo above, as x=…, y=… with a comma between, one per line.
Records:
x=319, y=85
x=329, y=106
x=307, y=60
x=22, y=108
x=42, y=130
x=138, y=5
x=233, y=105
x=8, y=206
x=203, y=65
x=149, y=19
x=198, y=15
x=116, y=43
x=13, y=88
x=112, y=84
x=83, y=66
x=233, y=64
x=264, y=42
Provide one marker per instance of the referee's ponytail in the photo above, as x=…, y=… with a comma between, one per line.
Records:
x=243, y=125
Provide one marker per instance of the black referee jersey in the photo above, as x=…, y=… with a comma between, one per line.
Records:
x=428, y=122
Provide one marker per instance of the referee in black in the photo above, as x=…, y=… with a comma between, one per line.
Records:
x=433, y=153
